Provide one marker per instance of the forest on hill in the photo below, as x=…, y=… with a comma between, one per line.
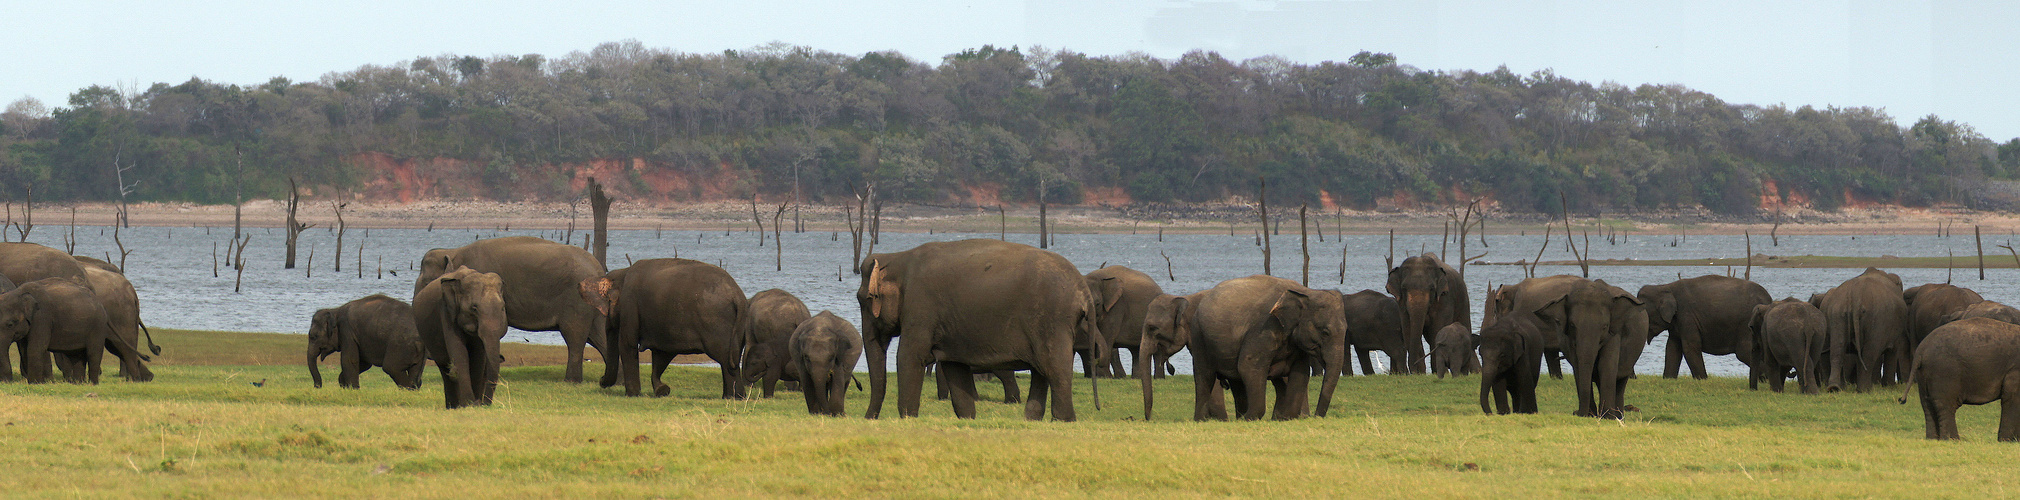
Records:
x=1012, y=121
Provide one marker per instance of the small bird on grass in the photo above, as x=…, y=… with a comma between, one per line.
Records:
x=261, y=383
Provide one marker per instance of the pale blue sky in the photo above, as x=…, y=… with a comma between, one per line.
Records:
x=1949, y=57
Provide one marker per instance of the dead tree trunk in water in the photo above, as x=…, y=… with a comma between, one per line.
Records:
x=1263, y=210
x=294, y=227
x=1044, y=236
x=1304, y=248
x=238, y=206
x=779, y=242
x=757, y=219
x=27, y=215
x=337, y=265
x=599, y=209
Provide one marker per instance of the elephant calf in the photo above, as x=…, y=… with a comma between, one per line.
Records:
x=373, y=331
x=774, y=314
x=1973, y=361
x=1453, y=352
x=1511, y=361
x=1788, y=335
x=824, y=351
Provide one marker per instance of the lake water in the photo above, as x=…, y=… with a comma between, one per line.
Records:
x=172, y=266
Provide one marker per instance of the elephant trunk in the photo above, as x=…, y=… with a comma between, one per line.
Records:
x=315, y=370
x=1488, y=374
x=1416, y=329
x=1336, y=363
x=1144, y=371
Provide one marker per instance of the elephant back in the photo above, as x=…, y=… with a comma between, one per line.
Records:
x=22, y=263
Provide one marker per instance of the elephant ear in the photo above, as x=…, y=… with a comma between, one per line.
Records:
x=1180, y=323
x=1759, y=317
x=598, y=292
x=883, y=293
x=1290, y=309
x=1111, y=293
x=1395, y=283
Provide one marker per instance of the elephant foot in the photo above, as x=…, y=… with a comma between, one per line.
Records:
x=661, y=391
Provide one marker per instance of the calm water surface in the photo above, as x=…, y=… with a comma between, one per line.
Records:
x=172, y=267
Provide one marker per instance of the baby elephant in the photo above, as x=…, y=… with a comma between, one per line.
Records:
x=774, y=314
x=1453, y=353
x=373, y=331
x=1788, y=335
x=1511, y=360
x=824, y=351
x=1972, y=361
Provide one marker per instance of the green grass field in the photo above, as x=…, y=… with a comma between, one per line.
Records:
x=203, y=430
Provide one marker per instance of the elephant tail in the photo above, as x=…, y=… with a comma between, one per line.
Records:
x=1909, y=384
x=1859, y=333
x=859, y=383
x=150, y=339
x=744, y=325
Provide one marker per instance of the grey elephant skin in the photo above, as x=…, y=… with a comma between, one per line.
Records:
x=774, y=315
x=25, y=262
x=1167, y=329
x=1985, y=309
x=122, y=307
x=1866, y=328
x=672, y=307
x=1432, y=295
x=1602, y=327
x=1264, y=329
x=374, y=331
x=974, y=305
x=1533, y=294
x=540, y=290
x=58, y=316
x=1789, y=336
x=1973, y=361
x=1124, y=295
x=1703, y=315
x=1453, y=352
x=1930, y=304
x=460, y=317
x=1511, y=361
x=824, y=351
x=1375, y=323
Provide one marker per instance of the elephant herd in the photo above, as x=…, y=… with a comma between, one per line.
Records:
x=972, y=307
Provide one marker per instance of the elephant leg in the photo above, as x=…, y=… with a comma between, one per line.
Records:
x=1672, y=354
x=1239, y=392
x=913, y=357
x=626, y=347
x=1286, y=403
x=1204, y=392
x=460, y=393
x=1693, y=353
x=817, y=402
x=573, y=375
x=837, y=390
x=940, y=389
x=2009, y=416
x=1115, y=365
x=1415, y=349
x=1778, y=380
x=659, y=361
x=875, y=350
x=348, y=377
x=1932, y=426
x=489, y=359
x=1011, y=394
x=1034, y=401
x=1061, y=380
x=1501, y=393
x=960, y=388
x=773, y=372
x=1367, y=364
x=448, y=383
x=1086, y=362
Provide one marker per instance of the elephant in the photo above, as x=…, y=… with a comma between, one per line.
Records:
x=372, y=331
x=824, y=351
x=671, y=307
x=1928, y=305
x=460, y=317
x=1704, y=315
x=1789, y=335
x=1534, y=293
x=1972, y=361
x=1260, y=329
x=25, y=262
x=122, y=306
x=59, y=316
x=975, y=305
x=1453, y=352
x=1985, y=309
x=540, y=281
x=1166, y=330
x=1865, y=316
x=774, y=314
x=1511, y=361
x=1375, y=323
x=1124, y=295
x=1432, y=295
x=1602, y=326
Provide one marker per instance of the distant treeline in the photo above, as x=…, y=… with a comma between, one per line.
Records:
x=1197, y=128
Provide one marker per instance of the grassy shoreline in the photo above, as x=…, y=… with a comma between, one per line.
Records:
x=206, y=431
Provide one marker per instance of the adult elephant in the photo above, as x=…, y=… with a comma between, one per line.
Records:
x=1973, y=361
x=1602, y=326
x=974, y=305
x=1375, y=323
x=774, y=314
x=1703, y=315
x=1928, y=304
x=1788, y=336
x=26, y=262
x=1530, y=295
x=1432, y=295
x=122, y=307
x=540, y=290
x=60, y=317
x=1264, y=329
x=1124, y=295
x=672, y=307
x=1866, y=317
x=372, y=331
x=460, y=317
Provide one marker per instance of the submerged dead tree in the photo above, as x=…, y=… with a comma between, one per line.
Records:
x=337, y=265
x=599, y=210
x=1263, y=210
x=294, y=226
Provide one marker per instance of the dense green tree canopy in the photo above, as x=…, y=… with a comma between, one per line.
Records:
x=1197, y=128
